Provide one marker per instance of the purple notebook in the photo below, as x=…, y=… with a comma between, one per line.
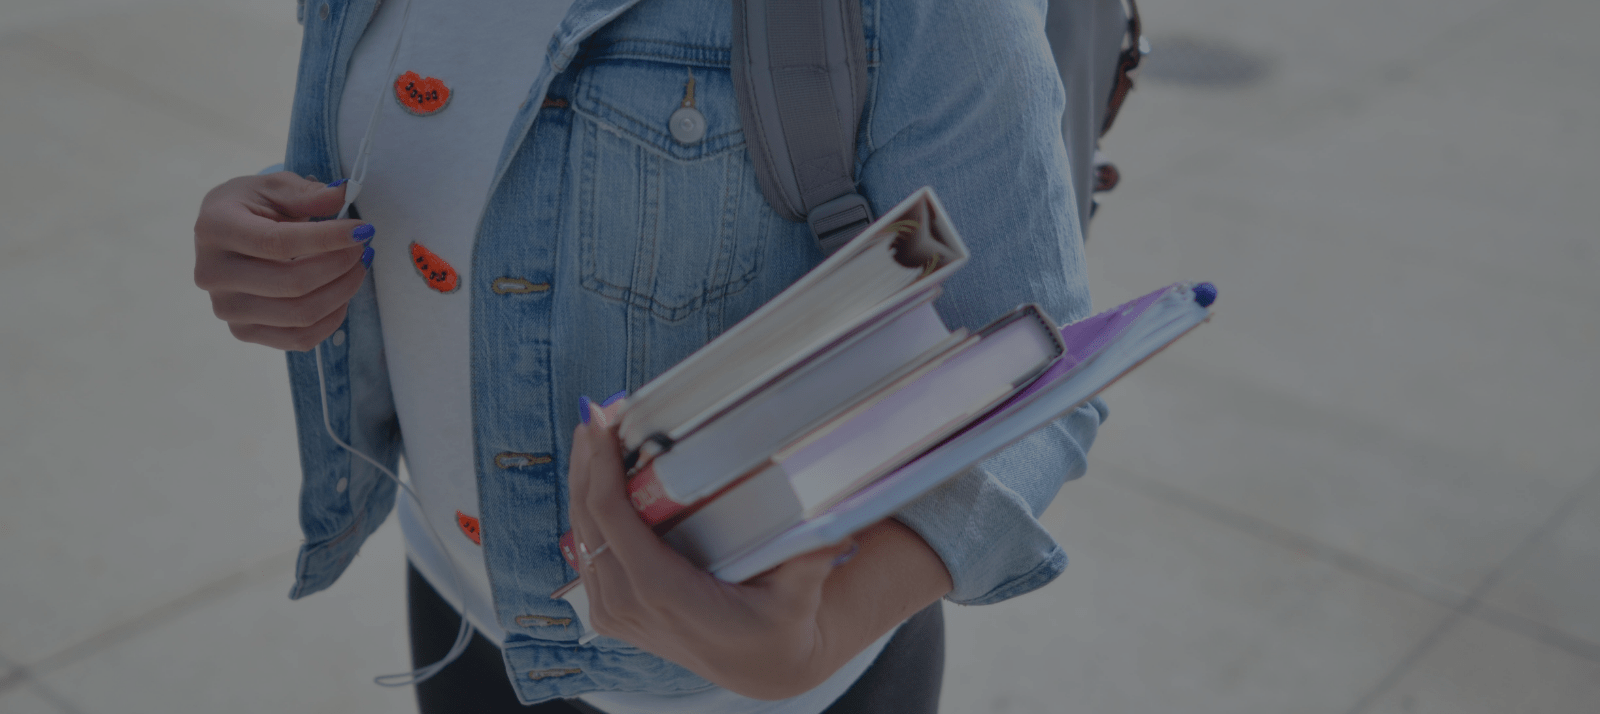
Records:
x=1086, y=337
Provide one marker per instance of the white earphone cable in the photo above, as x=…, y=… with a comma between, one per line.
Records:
x=358, y=174
x=463, y=635
x=358, y=168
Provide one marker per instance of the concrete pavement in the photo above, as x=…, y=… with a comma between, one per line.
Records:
x=1371, y=484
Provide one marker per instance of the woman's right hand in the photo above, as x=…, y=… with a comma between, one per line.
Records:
x=275, y=276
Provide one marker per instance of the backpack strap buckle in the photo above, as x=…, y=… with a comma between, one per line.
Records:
x=837, y=221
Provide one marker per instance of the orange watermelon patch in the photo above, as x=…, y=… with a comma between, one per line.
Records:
x=438, y=274
x=420, y=95
x=469, y=527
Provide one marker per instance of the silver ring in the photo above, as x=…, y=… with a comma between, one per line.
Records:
x=587, y=557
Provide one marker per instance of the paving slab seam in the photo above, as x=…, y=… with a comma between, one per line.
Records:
x=270, y=566
x=1405, y=664
x=1474, y=602
x=19, y=676
x=1372, y=427
x=12, y=678
x=1438, y=593
x=39, y=689
x=133, y=88
x=1425, y=588
x=1538, y=631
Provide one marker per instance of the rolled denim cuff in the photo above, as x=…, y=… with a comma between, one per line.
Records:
x=984, y=523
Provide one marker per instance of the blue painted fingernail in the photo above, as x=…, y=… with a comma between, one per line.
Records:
x=366, y=257
x=363, y=232
x=847, y=555
x=338, y=183
x=583, y=408
x=613, y=398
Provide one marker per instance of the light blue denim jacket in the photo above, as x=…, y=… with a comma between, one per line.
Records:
x=640, y=249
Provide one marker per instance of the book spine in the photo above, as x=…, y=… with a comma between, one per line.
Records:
x=649, y=500
x=726, y=447
x=738, y=518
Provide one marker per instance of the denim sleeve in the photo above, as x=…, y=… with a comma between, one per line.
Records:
x=984, y=523
x=966, y=98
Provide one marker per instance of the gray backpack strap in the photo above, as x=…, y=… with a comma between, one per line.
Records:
x=800, y=74
x=1097, y=45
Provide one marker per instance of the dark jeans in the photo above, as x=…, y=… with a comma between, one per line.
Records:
x=905, y=678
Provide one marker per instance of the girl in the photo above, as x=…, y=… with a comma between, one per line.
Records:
x=530, y=228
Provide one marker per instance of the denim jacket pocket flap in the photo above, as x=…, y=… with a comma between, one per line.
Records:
x=638, y=98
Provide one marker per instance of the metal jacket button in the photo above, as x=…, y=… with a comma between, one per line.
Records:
x=688, y=125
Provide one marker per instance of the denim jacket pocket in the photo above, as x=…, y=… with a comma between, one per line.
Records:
x=665, y=224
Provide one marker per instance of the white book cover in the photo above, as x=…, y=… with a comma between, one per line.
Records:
x=907, y=251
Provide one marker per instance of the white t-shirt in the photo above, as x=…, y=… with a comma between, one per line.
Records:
x=426, y=185
x=432, y=157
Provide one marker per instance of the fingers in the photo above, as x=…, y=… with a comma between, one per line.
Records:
x=277, y=277
x=612, y=406
x=261, y=237
x=226, y=272
x=643, y=592
x=295, y=197
x=638, y=577
x=268, y=217
x=583, y=529
x=608, y=588
x=299, y=339
x=606, y=501
x=291, y=312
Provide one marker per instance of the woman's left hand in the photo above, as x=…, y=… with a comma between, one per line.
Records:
x=764, y=638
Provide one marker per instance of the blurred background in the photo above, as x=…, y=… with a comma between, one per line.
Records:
x=1371, y=484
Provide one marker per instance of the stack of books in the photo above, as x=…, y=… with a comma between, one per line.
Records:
x=846, y=396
